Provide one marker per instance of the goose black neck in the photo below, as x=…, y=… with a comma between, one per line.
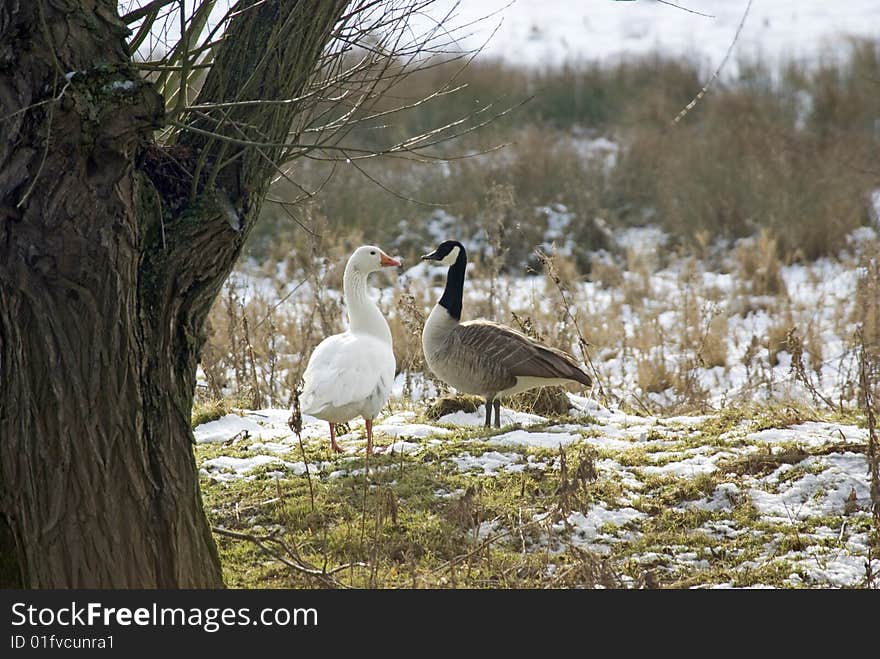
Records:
x=452, y=294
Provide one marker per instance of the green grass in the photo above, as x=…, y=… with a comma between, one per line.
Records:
x=416, y=521
x=205, y=411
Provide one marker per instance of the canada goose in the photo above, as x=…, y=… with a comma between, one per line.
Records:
x=351, y=374
x=481, y=357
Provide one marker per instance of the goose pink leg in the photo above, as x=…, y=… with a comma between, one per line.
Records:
x=370, y=451
x=333, y=443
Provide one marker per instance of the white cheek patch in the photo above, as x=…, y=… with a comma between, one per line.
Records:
x=451, y=258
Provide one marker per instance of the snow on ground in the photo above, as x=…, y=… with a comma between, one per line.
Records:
x=227, y=468
x=810, y=433
x=226, y=428
x=551, y=32
x=693, y=466
x=476, y=419
x=818, y=299
x=585, y=528
x=416, y=430
x=809, y=516
x=542, y=439
x=489, y=462
x=842, y=476
x=810, y=519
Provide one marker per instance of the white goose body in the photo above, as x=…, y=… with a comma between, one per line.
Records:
x=351, y=374
x=348, y=375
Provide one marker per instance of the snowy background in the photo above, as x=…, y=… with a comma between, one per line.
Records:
x=550, y=32
x=754, y=497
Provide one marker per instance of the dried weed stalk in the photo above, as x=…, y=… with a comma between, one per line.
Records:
x=868, y=369
x=566, y=306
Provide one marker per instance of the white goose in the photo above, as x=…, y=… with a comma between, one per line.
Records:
x=351, y=374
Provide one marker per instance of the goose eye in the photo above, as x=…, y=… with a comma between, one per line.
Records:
x=373, y=253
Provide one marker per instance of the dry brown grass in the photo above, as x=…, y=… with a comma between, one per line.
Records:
x=653, y=375
x=758, y=265
x=866, y=311
x=550, y=402
x=753, y=155
x=777, y=339
x=606, y=272
x=713, y=348
x=749, y=182
x=451, y=403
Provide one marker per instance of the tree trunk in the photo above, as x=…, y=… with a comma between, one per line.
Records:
x=98, y=484
x=112, y=250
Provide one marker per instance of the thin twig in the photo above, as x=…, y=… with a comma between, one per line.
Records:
x=50, y=115
x=27, y=108
x=488, y=541
x=551, y=271
x=141, y=12
x=872, y=453
x=295, y=424
x=292, y=559
x=690, y=11
x=687, y=108
x=364, y=502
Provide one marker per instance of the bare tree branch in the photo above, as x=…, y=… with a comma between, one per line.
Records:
x=149, y=9
x=289, y=556
x=256, y=102
x=690, y=11
x=690, y=106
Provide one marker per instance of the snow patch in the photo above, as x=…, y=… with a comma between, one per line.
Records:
x=227, y=468
x=542, y=439
x=225, y=428
x=478, y=418
x=489, y=462
x=586, y=527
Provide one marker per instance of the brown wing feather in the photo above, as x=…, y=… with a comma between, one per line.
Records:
x=517, y=354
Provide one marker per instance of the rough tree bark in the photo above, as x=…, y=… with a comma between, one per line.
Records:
x=110, y=257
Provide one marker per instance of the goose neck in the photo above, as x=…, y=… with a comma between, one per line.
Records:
x=452, y=294
x=363, y=314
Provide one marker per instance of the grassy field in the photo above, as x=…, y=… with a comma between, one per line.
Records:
x=774, y=496
x=718, y=276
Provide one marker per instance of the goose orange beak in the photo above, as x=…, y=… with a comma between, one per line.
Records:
x=386, y=261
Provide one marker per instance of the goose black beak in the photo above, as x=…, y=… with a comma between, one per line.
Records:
x=430, y=257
